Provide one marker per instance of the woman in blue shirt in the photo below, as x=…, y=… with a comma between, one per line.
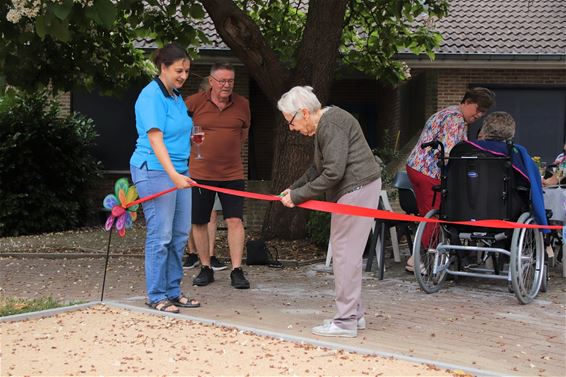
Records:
x=159, y=162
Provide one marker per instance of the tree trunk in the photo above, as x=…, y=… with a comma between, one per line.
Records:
x=316, y=64
x=293, y=154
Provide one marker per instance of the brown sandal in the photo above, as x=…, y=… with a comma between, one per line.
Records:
x=185, y=302
x=164, y=305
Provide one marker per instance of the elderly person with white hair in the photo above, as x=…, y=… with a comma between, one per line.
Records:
x=345, y=169
x=498, y=129
x=497, y=126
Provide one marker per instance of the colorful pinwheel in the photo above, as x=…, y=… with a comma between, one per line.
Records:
x=117, y=204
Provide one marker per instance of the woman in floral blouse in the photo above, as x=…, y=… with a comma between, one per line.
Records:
x=449, y=126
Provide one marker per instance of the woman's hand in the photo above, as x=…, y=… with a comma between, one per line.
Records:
x=285, y=192
x=182, y=181
x=286, y=198
x=551, y=181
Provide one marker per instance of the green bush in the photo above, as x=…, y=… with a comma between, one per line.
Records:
x=318, y=228
x=387, y=153
x=45, y=166
x=388, y=150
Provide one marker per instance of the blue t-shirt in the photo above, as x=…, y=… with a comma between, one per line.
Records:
x=156, y=108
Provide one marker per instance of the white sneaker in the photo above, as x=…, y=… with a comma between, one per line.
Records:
x=332, y=330
x=361, y=324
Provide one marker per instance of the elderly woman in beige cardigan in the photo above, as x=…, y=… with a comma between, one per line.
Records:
x=345, y=169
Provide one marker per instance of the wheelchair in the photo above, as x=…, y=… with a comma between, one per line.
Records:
x=476, y=185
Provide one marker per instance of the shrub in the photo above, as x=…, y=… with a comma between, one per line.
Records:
x=318, y=228
x=386, y=153
x=388, y=150
x=45, y=165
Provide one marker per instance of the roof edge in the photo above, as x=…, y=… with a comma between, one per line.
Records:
x=516, y=61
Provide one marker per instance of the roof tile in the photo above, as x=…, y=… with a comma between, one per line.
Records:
x=504, y=27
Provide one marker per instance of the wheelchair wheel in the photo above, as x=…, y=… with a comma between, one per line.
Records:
x=425, y=256
x=527, y=261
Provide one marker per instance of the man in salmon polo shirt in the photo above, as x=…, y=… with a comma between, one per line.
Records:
x=225, y=119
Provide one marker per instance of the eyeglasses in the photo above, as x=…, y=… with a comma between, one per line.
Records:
x=223, y=82
x=293, y=118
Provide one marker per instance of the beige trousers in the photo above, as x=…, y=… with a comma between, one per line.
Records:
x=348, y=235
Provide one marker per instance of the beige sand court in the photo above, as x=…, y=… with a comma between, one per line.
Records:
x=104, y=340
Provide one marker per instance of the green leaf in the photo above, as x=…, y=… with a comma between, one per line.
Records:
x=60, y=30
x=103, y=12
x=196, y=11
x=40, y=27
x=62, y=10
x=185, y=9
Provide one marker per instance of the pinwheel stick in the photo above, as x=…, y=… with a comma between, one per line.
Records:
x=107, y=257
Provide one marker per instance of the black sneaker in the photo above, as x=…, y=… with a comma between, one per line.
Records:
x=238, y=279
x=191, y=261
x=216, y=264
x=205, y=277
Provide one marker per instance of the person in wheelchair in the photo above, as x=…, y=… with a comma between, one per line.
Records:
x=487, y=179
x=495, y=137
x=524, y=188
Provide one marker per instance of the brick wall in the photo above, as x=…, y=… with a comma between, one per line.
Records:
x=431, y=88
x=64, y=100
x=452, y=83
x=254, y=210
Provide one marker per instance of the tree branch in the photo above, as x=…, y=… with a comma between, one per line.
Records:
x=318, y=52
x=244, y=38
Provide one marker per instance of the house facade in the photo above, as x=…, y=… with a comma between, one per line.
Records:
x=516, y=48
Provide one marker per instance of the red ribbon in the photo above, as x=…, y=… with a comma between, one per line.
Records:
x=150, y=197
x=346, y=209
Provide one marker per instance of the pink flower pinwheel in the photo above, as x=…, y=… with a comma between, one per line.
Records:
x=117, y=203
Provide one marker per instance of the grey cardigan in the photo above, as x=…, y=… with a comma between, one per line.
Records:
x=342, y=162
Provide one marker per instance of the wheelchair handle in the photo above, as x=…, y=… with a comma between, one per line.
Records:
x=434, y=144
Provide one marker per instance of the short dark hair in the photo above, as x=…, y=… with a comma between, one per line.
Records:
x=224, y=65
x=483, y=97
x=168, y=55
